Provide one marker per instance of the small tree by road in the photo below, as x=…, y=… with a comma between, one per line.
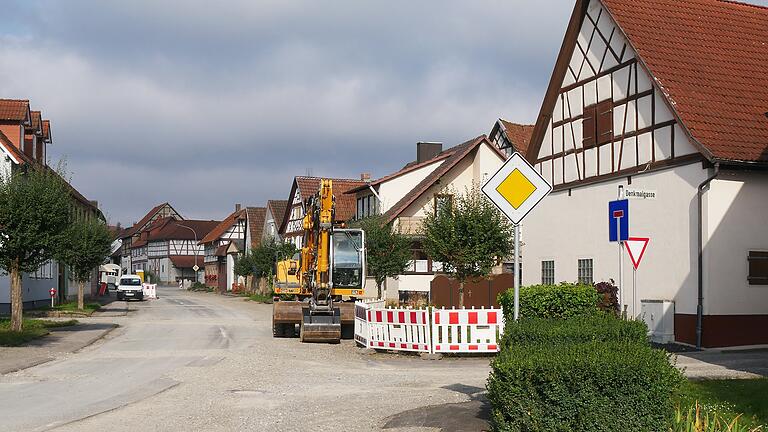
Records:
x=260, y=261
x=388, y=251
x=35, y=209
x=86, y=245
x=468, y=235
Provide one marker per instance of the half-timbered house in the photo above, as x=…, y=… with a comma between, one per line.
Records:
x=222, y=246
x=511, y=137
x=275, y=213
x=172, y=249
x=133, y=256
x=303, y=187
x=669, y=98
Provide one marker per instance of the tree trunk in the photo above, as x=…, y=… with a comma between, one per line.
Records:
x=17, y=301
x=80, y=295
x=461, y=294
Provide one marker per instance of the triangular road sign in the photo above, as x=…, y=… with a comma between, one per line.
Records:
x=636, y=248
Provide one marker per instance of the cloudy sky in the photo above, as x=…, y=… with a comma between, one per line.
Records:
x=206, y=106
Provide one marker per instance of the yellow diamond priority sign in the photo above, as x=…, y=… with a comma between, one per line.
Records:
x=516, y=188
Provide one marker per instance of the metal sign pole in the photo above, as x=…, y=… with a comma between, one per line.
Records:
x=621, y=267
x=517, y=272
x=634, y=291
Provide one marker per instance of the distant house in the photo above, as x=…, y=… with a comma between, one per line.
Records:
x=172, y=250
x=403, y=198
x=24, y=138
x=222, y=246
x=664, y=101
x=275, y=213
x=511, y=137
x=303, y=187
x=134, y=258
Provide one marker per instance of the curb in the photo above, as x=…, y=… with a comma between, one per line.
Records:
x=97, y=338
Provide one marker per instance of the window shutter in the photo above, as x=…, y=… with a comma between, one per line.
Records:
x=589, y=126
x=758, y=268
x=605, y=122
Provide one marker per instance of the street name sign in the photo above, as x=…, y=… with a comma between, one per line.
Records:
x=640, y=194
x=636, y=249
x=516, y=188
x=618, y=220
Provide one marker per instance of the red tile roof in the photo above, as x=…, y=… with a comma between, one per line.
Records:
x=168, y=228
x=37, y=121
x=13, y=150
x=223, y=227
x=256, y=217
x=47, y=129
x=517, y=134
x=345, y=204
x=14, y=109
x=460, y=151
x=278, y=208
x=711, y=59
x=140, y=224
x=186, y=261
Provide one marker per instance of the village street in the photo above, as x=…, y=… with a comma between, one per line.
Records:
x=198, y=361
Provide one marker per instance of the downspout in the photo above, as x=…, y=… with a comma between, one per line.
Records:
x=700, y=304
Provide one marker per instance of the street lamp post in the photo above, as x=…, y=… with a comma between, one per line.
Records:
x=195, y=234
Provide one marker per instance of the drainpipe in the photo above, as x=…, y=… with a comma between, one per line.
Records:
x=700, y=305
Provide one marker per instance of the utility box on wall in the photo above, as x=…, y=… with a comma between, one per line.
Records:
x=659, y=316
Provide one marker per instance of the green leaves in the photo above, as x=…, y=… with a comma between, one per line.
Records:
x=470, y=237
x=35, y=211
x=260, y=261
x=564, y=300
x=388, y=251
x=84, y=247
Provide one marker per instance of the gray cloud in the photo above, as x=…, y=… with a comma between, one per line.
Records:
x=205, y=104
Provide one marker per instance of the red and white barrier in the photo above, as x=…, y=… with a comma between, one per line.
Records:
x=399, y=329
x=466, y=330
x=441, y=331
x=149, y=290
x=361, y=319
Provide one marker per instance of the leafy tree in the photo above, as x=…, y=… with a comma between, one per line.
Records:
x=388, y=251
x=35, y=211
x=260, y=261
x=86, y=245
x=469, y=236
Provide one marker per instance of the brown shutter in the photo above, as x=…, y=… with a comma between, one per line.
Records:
x=589, y=126
x=605, y=122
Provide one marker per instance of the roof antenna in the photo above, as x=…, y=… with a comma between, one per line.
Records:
x=309, y=172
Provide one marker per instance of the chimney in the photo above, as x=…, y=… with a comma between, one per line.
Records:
x=427, y=150
x=366, y=177
x=237, y=207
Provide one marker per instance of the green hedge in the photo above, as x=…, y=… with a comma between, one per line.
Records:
x=599, y=327
x=551, y=301
x=595, y=386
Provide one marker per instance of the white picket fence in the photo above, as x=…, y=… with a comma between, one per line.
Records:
x=419, y=330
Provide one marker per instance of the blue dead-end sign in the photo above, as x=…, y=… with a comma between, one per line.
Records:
x=618, y=220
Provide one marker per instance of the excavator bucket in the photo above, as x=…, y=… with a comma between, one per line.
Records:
x=324, y=328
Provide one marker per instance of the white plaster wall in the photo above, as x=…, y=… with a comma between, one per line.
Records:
x=32, y=289
x=568, y=228
x=736, y=222
x=395, y=189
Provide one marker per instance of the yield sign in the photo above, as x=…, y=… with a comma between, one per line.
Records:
x=636, y=248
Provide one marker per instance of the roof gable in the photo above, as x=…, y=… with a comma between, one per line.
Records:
x=461, y=151
x=705, y=60
x=256, y=220
x=224, y=226
x=145, y=221
x=518, y=135
x=15, y=110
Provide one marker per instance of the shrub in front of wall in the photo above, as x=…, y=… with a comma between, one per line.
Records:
x=608, y=300
x=598, y=327
x=551, y=301
x=595, y=386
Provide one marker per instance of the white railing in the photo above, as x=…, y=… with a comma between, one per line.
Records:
x=421, y=330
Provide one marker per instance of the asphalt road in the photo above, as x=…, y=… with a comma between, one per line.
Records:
x=202, y=362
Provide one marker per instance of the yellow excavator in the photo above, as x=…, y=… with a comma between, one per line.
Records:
x=329, y=268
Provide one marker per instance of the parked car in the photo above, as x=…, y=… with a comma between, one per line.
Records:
x=130, y=287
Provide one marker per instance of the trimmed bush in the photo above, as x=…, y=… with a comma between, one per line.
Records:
x=595, y=386
x=551, y=301
x=599, y=327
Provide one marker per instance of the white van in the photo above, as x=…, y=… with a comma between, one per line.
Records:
x=130, y=287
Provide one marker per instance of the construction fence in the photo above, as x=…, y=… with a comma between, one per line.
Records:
x=429, y=330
